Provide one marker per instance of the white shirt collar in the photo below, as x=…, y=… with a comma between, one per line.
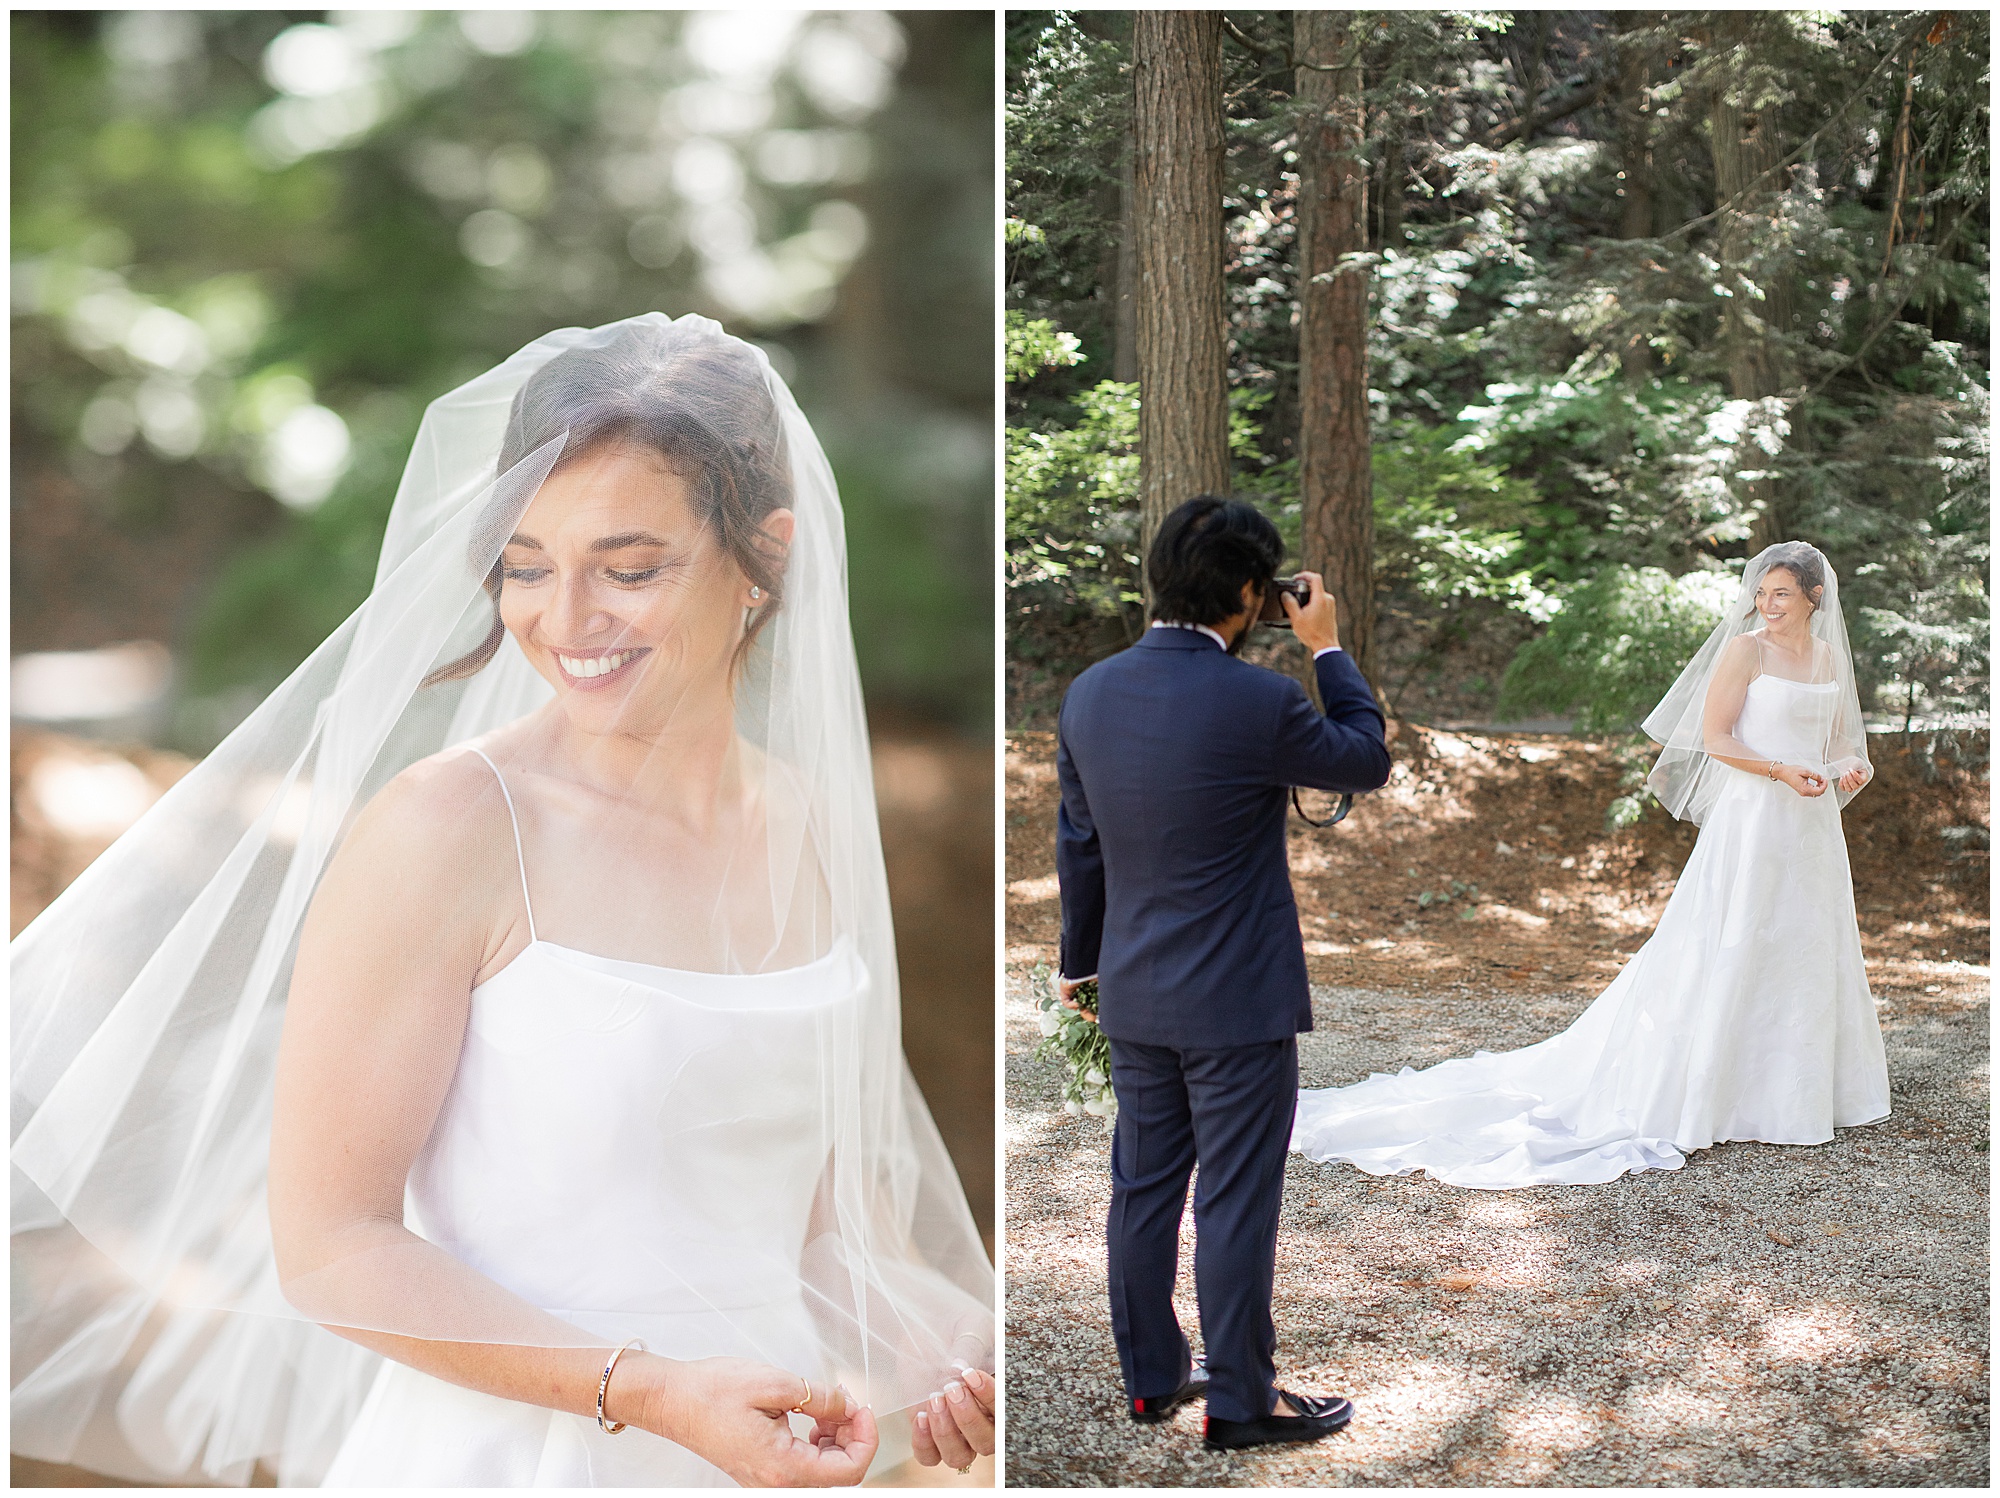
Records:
x=1199, y=628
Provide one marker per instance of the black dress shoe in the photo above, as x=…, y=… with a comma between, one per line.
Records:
x=1153, y=1411
x=1318, y=1415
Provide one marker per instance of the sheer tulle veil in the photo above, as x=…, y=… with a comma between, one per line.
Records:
x=1685, y=777
x=152, y=1336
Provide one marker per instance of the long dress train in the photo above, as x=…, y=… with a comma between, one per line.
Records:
x=1746, y=1015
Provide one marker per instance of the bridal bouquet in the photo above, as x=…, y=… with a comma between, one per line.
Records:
x=1077, y=1042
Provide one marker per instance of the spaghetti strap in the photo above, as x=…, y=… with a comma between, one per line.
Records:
x=520, y=859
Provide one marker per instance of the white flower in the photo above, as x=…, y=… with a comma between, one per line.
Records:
x=1049, y=1023
x=1096, y=1107
x=1073, y=1108
x=1092, y=1074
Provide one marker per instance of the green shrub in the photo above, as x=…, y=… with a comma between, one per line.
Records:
x=1615, y=646
x=1448, y=526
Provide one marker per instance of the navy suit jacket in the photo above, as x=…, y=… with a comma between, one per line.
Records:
x=1174, y=758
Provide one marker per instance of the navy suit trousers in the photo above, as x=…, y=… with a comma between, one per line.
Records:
x=1228, y=1110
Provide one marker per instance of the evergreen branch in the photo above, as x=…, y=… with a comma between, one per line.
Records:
x=1798, y=154
x=1548, y=114
x=1256, y=49
x=1883, y=324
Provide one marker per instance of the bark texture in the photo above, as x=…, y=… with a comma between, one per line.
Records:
x=1336, y=488
x=1635, y=163
x=1125, y=312
x=1745, y=147
x=1177, y=228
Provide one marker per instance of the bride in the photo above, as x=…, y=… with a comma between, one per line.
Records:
x=514, y=996
x=1747, y=1014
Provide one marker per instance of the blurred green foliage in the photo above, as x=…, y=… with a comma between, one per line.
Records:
x=250, y=246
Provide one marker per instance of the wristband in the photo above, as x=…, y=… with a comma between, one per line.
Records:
x=612, y=1427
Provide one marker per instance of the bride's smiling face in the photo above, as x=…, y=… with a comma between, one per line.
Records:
x=621, y=596
x=1783, y=604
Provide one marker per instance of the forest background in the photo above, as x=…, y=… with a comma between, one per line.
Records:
x=1526, y=328
x=1639, y=292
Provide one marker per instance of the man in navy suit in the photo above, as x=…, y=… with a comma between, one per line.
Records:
x=1175, y=758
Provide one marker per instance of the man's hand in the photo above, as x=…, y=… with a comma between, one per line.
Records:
x=1317, y=624
x=1065, y=995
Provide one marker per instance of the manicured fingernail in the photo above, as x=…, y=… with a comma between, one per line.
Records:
x=975, y=1378
x=937, y=1403
x=955, y=1392
x=923, y=1421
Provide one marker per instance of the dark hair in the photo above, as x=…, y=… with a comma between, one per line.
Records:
x=1203, y=554
x=1805, y=563
x=697, y=400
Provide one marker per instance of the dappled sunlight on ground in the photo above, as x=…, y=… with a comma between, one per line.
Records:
x=1486, y=859
x=1764, y=1316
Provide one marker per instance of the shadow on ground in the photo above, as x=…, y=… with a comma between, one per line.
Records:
x=1765, y=1316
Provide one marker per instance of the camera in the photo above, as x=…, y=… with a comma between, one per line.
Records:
x=1274, y=600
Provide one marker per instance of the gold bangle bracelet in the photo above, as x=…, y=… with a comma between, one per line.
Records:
x=609, y=1427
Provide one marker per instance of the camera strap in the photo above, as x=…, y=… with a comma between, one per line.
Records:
x=1339, y=812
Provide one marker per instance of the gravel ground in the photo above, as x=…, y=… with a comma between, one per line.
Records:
x=1765, y=1316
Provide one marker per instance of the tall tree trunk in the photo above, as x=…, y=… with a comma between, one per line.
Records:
x=1177, y=226
x=1336, y=490
x=1125, y=311
x=1534, y=69
x=1389, y=190
x=1635, y=164
x=1745, y=147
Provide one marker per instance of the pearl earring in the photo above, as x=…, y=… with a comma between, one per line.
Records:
x=756, y=593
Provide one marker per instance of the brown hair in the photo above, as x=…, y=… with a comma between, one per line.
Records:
x=697, y=399
x=1803, y=561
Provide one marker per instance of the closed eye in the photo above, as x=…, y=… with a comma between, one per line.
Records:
x=644, y=575
x=524, y=574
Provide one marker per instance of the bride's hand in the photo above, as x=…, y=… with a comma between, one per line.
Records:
x=1854, y=779
x=1806, y=782
x=732, y=1412
x=957, y=1425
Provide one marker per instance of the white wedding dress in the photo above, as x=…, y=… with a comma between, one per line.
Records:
x=608, y=1119
x=1746, y=1016
x=713, y=1162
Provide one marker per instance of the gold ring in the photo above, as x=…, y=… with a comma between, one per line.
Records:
x=805, y=1398
x=962, y=1471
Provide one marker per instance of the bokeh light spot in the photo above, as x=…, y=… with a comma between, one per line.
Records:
x=305, y=456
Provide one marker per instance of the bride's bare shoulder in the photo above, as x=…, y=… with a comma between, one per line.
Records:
x=1740, y=652
x=428, y=867
x=441, y=810
x=419, y=886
